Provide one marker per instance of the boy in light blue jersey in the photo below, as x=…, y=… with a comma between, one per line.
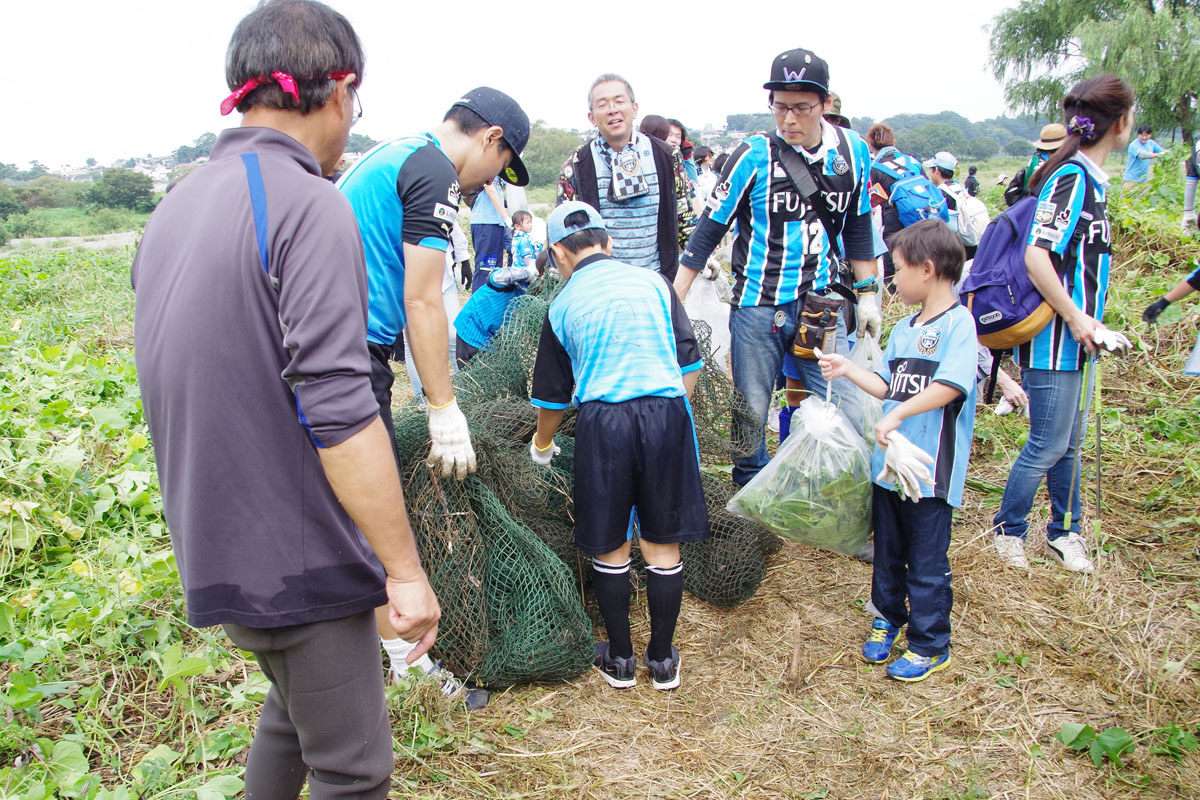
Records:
x=524, y=249
x=482, y=315
x=927, y=385
x=618, y=344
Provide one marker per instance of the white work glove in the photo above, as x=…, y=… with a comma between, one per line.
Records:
x=870, y=320
x=450, y=441
x=906, y=466
x=1112, y=341
x=1005, y=407
x=1189, y=220
x=543, y=457
x=711, y=270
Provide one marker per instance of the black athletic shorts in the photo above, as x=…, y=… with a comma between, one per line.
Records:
x=382, y=379
x=640, y=454
x=463, y=352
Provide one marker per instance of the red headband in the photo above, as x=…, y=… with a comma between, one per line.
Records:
x=285, y=81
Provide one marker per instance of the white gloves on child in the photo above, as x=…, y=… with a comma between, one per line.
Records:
x=450, y=441
x=543, y=457
x=905, y=466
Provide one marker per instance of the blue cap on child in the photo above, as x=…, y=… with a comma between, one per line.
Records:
x=556, y=227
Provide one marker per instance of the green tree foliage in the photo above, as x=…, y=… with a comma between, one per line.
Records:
x=1041, y=47
x=10, y=203
x=915, y=144
x=358, y=143
x=36, y=169
x=91, y=162
x=1018, y=147
x=981, y=148
x=49, y=191
x=751, y=123
x=200, y=148
x=547, y=150
x=122, y=188
x=130, y=163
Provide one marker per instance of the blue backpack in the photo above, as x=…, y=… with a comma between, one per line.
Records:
x=1007, y=308
x=914, y=196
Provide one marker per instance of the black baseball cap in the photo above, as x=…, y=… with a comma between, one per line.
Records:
x=799, y=70
x=496, y=108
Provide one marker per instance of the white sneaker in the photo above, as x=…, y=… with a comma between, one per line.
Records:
x=1070, y=552
x=1011, y=550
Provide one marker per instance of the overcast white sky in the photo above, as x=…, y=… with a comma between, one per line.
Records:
x=130, y=77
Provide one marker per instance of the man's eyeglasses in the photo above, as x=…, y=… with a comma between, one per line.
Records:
x=616, y=103
x=357, y=108
x=800, y=109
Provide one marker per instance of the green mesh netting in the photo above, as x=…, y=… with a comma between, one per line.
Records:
x=515, y=593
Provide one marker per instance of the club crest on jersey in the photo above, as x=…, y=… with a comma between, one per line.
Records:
x=928, y=341
x=1063, y=219
x=444, y=212
x=839, y=164
x=1045, y=213
x=454, y=195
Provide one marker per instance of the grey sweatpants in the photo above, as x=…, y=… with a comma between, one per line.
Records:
x=324, y=719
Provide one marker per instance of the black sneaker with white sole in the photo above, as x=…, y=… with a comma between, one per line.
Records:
x=664, y=675
x=621, y=673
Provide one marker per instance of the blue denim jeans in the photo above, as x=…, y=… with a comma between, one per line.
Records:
x=911, y=564
x=757, y=349
x=1054, y=416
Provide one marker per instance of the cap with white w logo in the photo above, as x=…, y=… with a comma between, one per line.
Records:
x=799, y=70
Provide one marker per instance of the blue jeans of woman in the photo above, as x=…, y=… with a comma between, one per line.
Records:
x=1054, y=417
x=760, y=339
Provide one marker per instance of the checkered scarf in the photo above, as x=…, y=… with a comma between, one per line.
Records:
x=627, y=179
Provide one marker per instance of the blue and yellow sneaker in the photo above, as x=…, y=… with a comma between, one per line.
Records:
x=911, y=667
x=878, y=646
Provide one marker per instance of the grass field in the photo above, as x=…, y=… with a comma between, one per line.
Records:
x=106, y=693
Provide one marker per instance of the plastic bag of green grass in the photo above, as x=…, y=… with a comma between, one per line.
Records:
x=817, y=488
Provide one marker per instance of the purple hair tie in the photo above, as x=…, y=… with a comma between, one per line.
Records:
x=1082, y=126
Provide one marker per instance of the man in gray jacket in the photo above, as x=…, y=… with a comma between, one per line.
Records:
x=279, y=486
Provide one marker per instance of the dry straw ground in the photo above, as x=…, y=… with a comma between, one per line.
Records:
x=776, y=703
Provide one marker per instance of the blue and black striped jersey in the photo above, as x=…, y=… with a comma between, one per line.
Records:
x=781, y=249
x=1068, y=200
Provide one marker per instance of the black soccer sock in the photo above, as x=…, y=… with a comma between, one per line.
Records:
x=613, y=589
x=664, y=594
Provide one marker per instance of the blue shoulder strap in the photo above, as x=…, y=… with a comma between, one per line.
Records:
x=258, y=199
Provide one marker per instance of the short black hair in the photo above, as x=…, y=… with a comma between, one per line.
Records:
x=520, y=215
x=305, y=39
x=719, y=162
x=469, y=123
x=677, y=124
x=1145, y=129
x=945, y=173
x=971, y=170
x=543, y=257
x=931, y=240
x=582, y=240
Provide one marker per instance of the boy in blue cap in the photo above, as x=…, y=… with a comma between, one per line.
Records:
x=618, y=344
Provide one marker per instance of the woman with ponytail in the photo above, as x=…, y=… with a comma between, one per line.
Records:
x=1068, y=261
